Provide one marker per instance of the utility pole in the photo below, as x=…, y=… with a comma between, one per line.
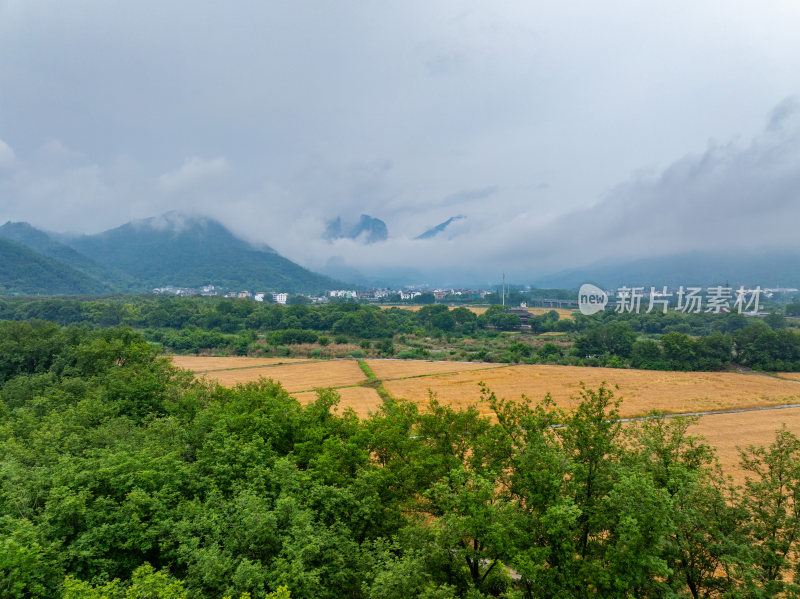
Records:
x=504, y=289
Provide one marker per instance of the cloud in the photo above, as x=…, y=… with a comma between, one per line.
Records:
x=557, y=130
x=735, y=196
x=470, y=195
x=56, y=149
x=781, y=116
x=193, y=172
x=7, y=156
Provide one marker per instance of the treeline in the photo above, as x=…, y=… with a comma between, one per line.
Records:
x=672, y=341
x=192, y=324
x=755, y=345
x=121, y=476
x=233, y=316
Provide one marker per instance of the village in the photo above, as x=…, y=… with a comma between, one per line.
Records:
x=378, y=295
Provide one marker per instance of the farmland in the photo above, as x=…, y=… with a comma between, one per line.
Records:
x=303, y=376
x=206, y=364
x=728, y=432
x=642, y=390
x=457, y=383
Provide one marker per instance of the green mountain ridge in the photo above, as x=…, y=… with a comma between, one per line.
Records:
x=22, y=270
x=190, y=251
x=172, y=249
x=47, y=244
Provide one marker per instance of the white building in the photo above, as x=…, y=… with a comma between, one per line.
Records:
x=345, y=293
x=280, y=298
x=411, y=295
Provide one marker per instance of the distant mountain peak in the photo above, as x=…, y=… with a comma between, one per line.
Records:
x=434, y=231
x=13, y=230
x=173, y=221
x=368, y=229
x=190, y=250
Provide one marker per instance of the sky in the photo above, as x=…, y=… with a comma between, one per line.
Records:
x=565, y=132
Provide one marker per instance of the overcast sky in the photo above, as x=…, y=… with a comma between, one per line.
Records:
x=565, y=132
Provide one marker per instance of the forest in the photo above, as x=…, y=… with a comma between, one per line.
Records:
x=655, y=341
x=123, y=476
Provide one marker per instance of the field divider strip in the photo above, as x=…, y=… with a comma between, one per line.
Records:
x=353, y=386
x=712, y=412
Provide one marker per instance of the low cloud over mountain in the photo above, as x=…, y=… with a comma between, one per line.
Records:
x=733, y=196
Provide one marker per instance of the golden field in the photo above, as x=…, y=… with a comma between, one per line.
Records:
x=304, y=376
x=362, y=400
x=457, y=384
x=206, y=363
x=396, y=369
x=726, y=432
x=562, y=312
x=641, y=390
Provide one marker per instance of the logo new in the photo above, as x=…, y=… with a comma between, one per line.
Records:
x=591, y=299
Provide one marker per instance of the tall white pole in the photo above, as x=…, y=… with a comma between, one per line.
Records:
x=504, y=289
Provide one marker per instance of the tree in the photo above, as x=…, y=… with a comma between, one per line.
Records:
x=704, y=520
x=647, y=354
x=776, y=321
x=771, y=506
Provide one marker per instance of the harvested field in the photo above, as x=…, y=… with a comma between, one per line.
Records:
x=641, y=390
x=562, y=312
x=727, y=431
x=457, y=383
x=361, y=399
x=206, y=363
x=397, y=369
x=296, y=377
x=795, y=376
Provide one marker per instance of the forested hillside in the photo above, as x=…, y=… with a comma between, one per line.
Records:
x=24, y=271
x=185, y=251
x=46, y=244
x=172, y=249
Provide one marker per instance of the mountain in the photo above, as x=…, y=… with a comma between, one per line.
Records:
x=190, y=251
x=434, y=231
x=47, y=244
x=25, y=271
x=768, y=268
x=368, y=229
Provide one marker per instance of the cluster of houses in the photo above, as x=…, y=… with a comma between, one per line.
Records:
x=407, y=294
x=371, y=295
x=208, y=290
x=277, y=298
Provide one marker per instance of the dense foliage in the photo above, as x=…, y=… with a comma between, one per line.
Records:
x=121, y=476
x=657, y=341
x=172, y=249
x=688, y=342
x=23, y=270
